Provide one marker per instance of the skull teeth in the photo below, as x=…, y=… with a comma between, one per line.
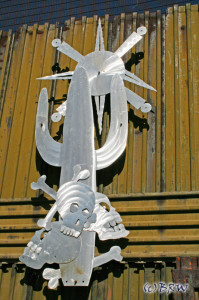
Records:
x=30, y=244
x=34, y=256
x=69, y=231
x=38, y=250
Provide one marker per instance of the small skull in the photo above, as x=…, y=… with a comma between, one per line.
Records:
x=107, y=224
x=55, y=247
x=75, y=205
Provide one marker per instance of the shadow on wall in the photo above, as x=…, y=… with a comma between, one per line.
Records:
x=34, y=282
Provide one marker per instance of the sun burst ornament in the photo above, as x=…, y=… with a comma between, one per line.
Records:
x=101, y=66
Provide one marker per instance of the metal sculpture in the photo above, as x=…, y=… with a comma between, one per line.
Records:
x=70, y=241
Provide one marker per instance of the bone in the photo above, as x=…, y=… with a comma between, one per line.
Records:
x=53, y=276
x=113, y=254
x=46, y=221
x=80, y=175
x=41, y=185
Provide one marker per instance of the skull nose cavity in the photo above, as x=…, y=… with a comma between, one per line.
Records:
x=77, y=223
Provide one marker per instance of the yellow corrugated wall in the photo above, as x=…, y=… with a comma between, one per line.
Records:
x=154, y=185
x=113, y=281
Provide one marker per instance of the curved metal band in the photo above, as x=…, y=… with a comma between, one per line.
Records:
x=48, y=148
x=116, y=141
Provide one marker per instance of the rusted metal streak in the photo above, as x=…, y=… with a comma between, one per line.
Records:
x=187, y=271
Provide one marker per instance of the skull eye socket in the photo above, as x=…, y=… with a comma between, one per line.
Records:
x=85, y=212
x=74, y=207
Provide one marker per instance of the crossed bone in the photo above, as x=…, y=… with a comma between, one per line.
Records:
x=54, y=275
x=108, y=220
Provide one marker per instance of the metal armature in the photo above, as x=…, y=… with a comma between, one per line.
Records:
x=70, y=241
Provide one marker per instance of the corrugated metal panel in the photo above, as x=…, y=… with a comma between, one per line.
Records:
x=146, y=166
x=160, y=224
x=112, y=281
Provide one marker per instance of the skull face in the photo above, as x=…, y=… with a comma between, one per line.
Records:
x=75, y=205
x=78, y=215
x=107, y=224
x=55, y=247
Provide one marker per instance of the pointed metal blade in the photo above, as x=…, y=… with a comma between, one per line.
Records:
x=99, y=101
x=64, y=75
x=67, y=49
x=134, y=99
x=49, y=149
x=117, y=137
x=137, y=101
x=97, y=104
x=136, y=80
x=131, y=41
x=99, y=45
x=101, y=112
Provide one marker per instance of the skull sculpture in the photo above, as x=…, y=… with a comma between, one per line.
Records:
x=75, y=204
x=107, y=224
x=55, y=247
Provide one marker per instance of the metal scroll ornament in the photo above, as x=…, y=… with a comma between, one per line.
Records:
x=70, y=241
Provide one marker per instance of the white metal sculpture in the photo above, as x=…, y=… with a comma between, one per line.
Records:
x=70, y=241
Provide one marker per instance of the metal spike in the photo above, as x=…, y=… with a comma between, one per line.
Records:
x=136, y=80
x=101, y=112
x=99, y=45
x=67, y=49
x=64, y=75
x=137, y=101
x=132, y=40
x=99, y=102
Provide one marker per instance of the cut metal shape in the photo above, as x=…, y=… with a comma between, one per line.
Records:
x=107, y=223
x=70, y=241
x=131, y=41
x=53, y=275
x=56, y=117
x=49, y=149
x=55, y=247
x=63, y=75
x=99, y=102
x=134, y=79
x=101, y=66
x=99, y=45
x=67, y=49
x=113, y=254
x=117, y=137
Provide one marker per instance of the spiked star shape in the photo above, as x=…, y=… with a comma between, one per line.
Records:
x=101, y=66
